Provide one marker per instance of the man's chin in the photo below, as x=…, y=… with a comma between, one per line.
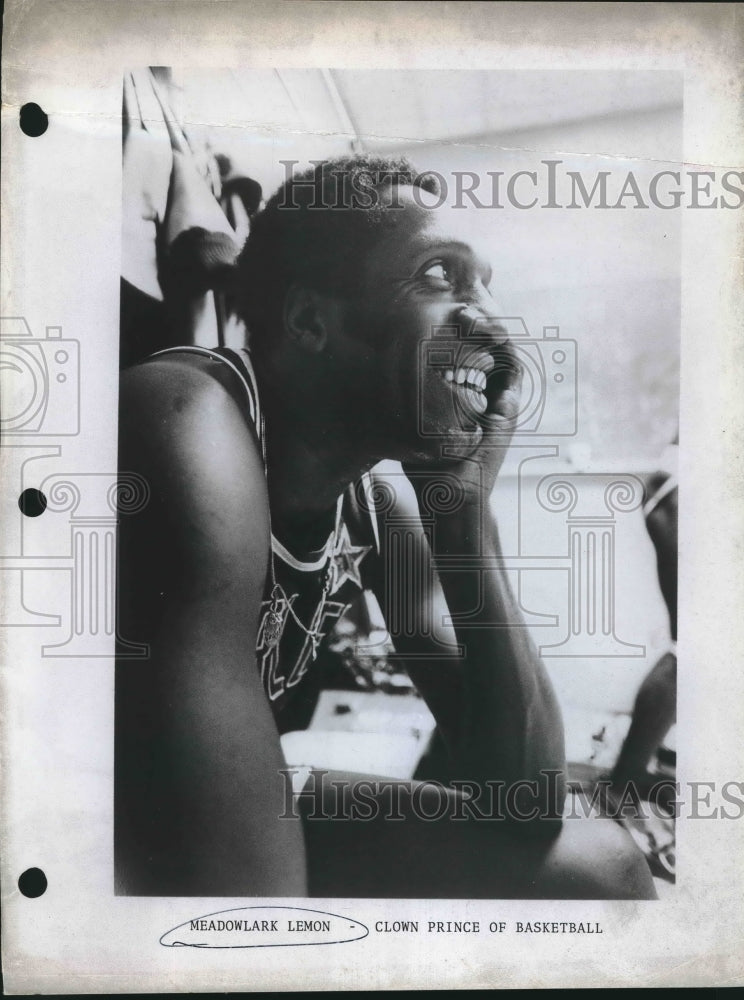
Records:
x=450, y=446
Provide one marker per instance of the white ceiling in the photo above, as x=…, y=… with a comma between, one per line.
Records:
x=419, y=105
x=263, y=117
x=431, y=105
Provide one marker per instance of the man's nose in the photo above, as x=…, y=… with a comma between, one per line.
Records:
x=479, y=296
x=481, y=320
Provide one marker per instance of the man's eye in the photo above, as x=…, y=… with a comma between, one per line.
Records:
x=438, y=271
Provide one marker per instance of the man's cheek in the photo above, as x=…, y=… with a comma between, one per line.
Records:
x=438, y=405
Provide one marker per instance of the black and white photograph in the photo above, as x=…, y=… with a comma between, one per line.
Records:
x=404, y=438
x=351, y=373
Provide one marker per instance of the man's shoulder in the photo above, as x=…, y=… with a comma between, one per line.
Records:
x=186, y=397
x=187, y=433
x=183, y=381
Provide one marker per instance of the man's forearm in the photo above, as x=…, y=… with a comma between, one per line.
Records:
x=510, y=728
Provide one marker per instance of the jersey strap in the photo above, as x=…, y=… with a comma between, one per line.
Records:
x=240, y=363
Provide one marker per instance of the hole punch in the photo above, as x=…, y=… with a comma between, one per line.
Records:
x=32, y=502
x=34, y=120
x=32, y=883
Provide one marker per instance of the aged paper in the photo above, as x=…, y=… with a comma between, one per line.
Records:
x=598, y=153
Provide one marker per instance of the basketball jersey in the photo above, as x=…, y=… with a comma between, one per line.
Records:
x=308, y=591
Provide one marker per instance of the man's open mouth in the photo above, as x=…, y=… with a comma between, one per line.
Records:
x=481, y=378
x=470, y=380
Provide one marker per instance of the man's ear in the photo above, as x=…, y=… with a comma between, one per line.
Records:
x=306, y=318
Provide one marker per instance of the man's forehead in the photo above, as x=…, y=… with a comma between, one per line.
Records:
x=423, y=223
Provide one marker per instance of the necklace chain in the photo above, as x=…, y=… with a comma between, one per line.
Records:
x=279, y=598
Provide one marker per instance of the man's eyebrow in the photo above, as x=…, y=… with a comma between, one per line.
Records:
x=426, y=242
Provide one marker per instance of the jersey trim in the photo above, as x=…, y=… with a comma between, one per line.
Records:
x=248, y=383
x=667, y=487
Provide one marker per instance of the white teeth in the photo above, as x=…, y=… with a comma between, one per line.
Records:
x=477, y=401
x=472, y=378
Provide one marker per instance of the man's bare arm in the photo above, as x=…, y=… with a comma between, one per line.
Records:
x=198, y=790
x=494, y=705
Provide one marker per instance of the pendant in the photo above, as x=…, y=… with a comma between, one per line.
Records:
x=272, y=628
x=315, y=638
x=274, y=619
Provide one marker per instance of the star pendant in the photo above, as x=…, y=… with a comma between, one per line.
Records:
x=345, y=561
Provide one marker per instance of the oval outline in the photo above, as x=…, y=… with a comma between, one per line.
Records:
x=288, y=944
